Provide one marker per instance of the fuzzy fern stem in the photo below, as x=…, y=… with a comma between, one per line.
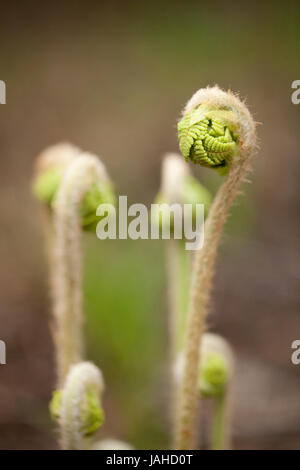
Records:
x=236, y=161
x=71, y=185
x=79, y=177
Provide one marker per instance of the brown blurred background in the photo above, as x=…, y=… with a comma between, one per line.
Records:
x=112, y=78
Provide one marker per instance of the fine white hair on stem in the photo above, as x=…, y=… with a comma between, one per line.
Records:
x=67, y=269
x=81, y=378
x=203, y=268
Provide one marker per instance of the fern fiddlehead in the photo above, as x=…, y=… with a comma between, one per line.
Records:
x=227, y=115
x=206, y=139
x=77, y=406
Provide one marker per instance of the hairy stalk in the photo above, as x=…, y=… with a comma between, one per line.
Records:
x=78, y=405
x=49, y=169
x=216, y=121
x=79, y=177
x=71, y=185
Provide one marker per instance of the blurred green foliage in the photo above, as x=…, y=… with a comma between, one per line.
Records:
x=126, y=332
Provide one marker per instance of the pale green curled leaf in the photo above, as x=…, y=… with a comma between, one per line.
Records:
x=99, y=193
x=208, y=137
x=77, y=407
x=214, y=375
x=92, y=414
x=55, y=404
x=49, y=169
x=216, y=365
x=49, y=177
x=46, y=185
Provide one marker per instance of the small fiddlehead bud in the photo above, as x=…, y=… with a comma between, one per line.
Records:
x=50, y=168
x=77, y=406
x=216, y=126
x=216, y=365
x=214, y=375
x=216, y=371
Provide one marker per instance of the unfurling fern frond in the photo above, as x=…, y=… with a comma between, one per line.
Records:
x=207, y=138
